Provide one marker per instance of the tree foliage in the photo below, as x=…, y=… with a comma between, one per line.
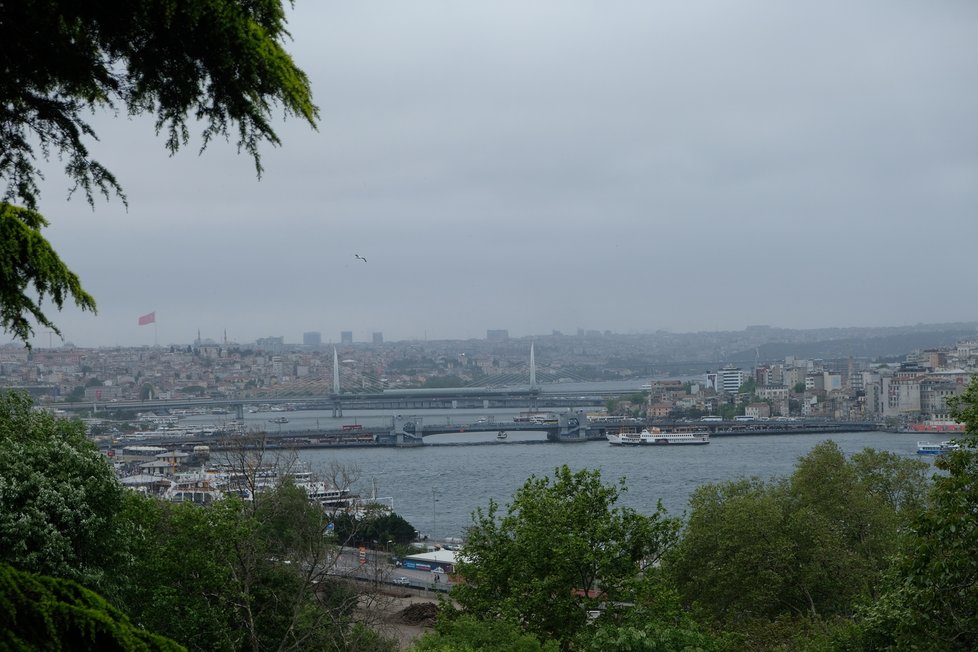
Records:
x=241, y=576
x=562, y=549
x=816, y=543
x=372, y=528
x=30, y=273
x=59, y=498
x=46, y=613
x=655, y=622
x=190, y=548
x=219, y=64
x=931, y=602
x=470, y=634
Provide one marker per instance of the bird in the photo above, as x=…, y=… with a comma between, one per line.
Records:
x=360, y=257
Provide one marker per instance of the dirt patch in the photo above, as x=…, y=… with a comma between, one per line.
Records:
x=405, y=618
x=420, y=614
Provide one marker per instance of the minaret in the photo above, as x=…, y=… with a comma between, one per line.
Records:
x=336, y=372
x=533, y=369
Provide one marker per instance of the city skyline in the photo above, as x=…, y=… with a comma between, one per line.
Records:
x=770, y=334
x=677, y=166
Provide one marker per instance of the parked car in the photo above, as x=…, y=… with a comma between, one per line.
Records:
x=402, y=581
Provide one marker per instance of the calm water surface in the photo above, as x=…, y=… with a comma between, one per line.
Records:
x=437, y=487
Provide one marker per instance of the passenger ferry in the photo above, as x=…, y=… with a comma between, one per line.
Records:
x=927, y=448
x=656, y=437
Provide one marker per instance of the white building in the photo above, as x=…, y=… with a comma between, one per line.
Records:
x=729, y=379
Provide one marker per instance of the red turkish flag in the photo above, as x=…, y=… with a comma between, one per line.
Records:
x=148, y=319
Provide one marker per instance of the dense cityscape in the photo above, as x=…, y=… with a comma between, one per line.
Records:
x=732, y=373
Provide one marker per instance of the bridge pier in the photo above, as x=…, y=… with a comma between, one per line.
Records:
x=337, y=408
x=406, y=431
x=571, y=426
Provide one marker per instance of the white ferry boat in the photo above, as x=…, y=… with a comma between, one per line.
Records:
x=656, y=437
x=927, y=448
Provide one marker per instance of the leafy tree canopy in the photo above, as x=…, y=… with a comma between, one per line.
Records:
x=931, y=602
x=31, y=272
x=45, y=613
x=562, y=549
x=240, y=576
x=816, y=543
x=219, y=64
x=58, y=496
x=374, y=528
x=469, y=634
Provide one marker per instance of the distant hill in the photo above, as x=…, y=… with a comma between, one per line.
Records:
x=870, y=346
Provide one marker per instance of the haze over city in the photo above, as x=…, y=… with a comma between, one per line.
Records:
x=686, y=166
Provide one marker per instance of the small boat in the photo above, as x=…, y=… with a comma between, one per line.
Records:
x=656, y=437
x=927, y=448
x=501, y=435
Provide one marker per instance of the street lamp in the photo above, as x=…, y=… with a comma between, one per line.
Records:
x=434, y=516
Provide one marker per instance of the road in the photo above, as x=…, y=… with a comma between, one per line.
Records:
x=375, y=566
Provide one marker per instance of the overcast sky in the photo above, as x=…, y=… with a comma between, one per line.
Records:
x=536, y=166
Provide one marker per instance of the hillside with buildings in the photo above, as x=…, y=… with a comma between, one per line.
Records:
x=904, y=373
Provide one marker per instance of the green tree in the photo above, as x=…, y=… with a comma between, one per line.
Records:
x=470, y=634
x=655, y=622
x=31, y=271
x=58, y=497
x=562, y=548
x=241, y=576
x=931, y=602
x=740, y=528
x=217, y=63
x=816, y=543
x=191, y=548
x=40, y=612
x=372, y=528
x=76, y=395
x=438, y=382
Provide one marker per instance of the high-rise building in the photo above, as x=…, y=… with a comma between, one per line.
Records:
x=312, y=338
x=273, y=343
x=500, y=335
x=378, y=338
x=729, y=379
x=346, y=337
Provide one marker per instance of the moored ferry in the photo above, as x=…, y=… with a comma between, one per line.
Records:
x=657, y=437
